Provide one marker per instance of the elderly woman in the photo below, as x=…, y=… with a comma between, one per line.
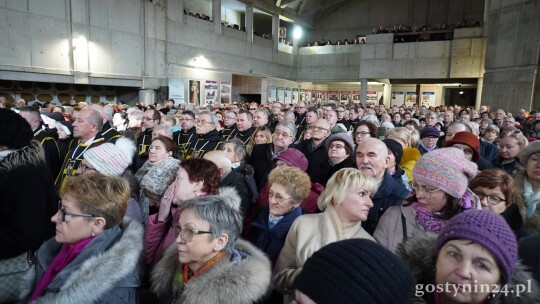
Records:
x=261, y=135
x=474, y=259
x=346, y=202
x=339, y=148
x=289, y=186
x=510, y=144
x=195, y=178
x=439, y=193
x=363, y=131
x=527, y=182
x=209, y=262
x=95, y=255
x=156, y=174
x=495, y=189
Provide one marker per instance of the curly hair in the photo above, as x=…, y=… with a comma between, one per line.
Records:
x=296, y=181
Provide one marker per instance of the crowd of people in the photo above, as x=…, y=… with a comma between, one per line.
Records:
x=271, y=203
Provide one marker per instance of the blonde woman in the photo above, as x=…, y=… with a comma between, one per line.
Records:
x=510, y=144
x=346, y=202
x=261, y=135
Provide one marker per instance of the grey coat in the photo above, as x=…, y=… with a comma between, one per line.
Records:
x=245, y=281
x=107, y=270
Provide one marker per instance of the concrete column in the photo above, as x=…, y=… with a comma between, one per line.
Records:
x=479, y=88
x=363, y=90
x=485, y=23
x=147, y=97
x=387, y=94
x=175, y=10
x=275, y=30
x=249, y=22
x=216, y=16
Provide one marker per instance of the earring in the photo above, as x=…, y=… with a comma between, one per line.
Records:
x=93, y=233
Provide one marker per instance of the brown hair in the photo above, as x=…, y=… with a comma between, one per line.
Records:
x=169, y=144
x=491, y=178
x=99, y=195
x=371, y=126
x=200, y=169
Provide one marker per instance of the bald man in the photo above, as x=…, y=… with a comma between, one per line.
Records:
x=372, y=159
x=107, y=132
x=230, y=178
x=314, y=149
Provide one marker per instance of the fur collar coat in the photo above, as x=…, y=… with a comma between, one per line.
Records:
x=245, y=281
x=418, y=253
x=106, y=271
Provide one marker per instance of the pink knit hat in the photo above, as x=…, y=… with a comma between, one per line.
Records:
x=293, y=157
x=446, y=169
x=111, y=159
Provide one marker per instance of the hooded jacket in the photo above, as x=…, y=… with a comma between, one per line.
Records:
x=107, y=270
x=25, y=182
x=419, y=253
x=244, y=281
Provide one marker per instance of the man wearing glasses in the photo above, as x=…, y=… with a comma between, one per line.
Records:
x=209, y=139
x=150, y=119
x=300, y=111
x=263, y=155
x=229, y=121
x=314, y=149
x=188, y=133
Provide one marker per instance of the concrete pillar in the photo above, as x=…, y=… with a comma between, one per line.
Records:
x=479, y=88
x=275, y=30
x=147, y=97
x=485, y=23
x=363, y=90
x=249, y=22
x=387, y=95
x=175, y=10
x=216, y=16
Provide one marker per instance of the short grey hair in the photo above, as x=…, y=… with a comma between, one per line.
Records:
x=219, y=212
x=213, y=117
x=95, y=118
x=167, y=129
x=290, y=125
x=239, y=148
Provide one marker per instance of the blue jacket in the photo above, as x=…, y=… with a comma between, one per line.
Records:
x=271, y=241
x=390, y=193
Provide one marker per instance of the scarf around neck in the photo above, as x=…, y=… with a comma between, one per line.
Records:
x=428, y=219
x=531, y=197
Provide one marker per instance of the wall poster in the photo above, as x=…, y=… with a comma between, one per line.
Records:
x=295, y=95
x=288, y=95
x=356, y=96
x=410, y=99
x=271, y=94
x=225, y=92
x=333, y=96
x=302, y=94
x=194, y=92
x=428, y=99
x=345, y=95
x=176, y=89
x=398, y=99
x=210, y=91
x=281, y=95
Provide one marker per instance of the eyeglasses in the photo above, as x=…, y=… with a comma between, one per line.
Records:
x=198, y=121
x=428, y=191
x=337, y=146
x=85, y=168
x=148, y=118
x=187, y=234
x=316, y=128
x=362, y=133
x=279, y=198
x=299, y=107
x=229, y=117
x=283, y=134
x=491, y=199
x=252, y=109
x=63, y=213
x=186, y=119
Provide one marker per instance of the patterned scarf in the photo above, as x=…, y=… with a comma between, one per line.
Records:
x=429, y=220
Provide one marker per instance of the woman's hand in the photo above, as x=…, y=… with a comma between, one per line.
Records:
x=165, y=203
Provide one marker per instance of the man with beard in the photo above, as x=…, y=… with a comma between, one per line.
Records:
x=372, y=159
x=188, y=133
x=208, y=139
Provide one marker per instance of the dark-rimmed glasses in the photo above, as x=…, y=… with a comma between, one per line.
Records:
x=187, y=234
x=491, y=199
x=63, y=213
x=427, y=191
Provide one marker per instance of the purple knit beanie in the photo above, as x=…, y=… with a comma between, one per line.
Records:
x=294, y=158
x=446, y=169
x=487, y=229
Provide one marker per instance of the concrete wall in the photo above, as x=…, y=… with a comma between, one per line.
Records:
x=512, y=58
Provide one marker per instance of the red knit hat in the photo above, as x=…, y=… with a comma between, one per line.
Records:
x=294, y=158
x=466, y=138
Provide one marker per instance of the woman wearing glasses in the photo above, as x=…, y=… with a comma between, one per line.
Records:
x=439, y=192
x=209, y=263
x=346, y=202
x=495, y=189
x=363, y=131
x=95, y=254
x=289, y=186
x=510, y=144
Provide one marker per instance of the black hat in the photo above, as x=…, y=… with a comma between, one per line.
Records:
x=355, y=271
x=396, y=148
x=15, y=131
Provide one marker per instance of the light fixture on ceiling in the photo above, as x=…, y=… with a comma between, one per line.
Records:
x=297, y=32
